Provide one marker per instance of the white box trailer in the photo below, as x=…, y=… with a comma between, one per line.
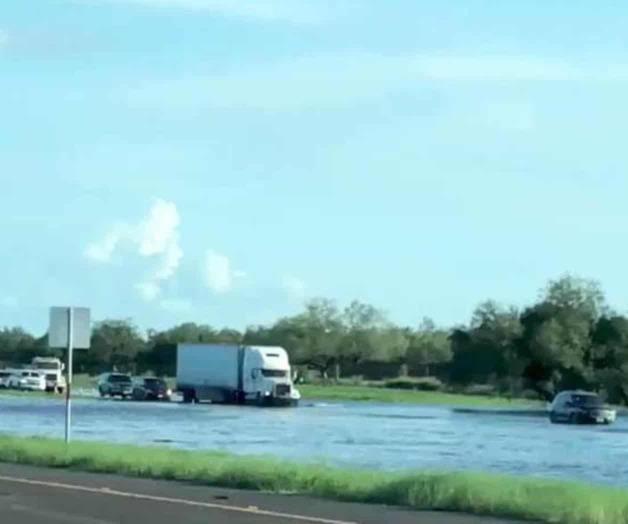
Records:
x=231, y=373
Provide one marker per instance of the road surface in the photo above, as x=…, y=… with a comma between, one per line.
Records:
x=46, y=496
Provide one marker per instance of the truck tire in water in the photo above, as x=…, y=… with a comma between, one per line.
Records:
x=189, y=396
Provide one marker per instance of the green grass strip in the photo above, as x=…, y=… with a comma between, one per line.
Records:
x=384, y=395
x=483, y=494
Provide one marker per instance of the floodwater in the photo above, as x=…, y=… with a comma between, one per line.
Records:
x=363, y=435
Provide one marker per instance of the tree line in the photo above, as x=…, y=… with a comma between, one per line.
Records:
x=568, y=338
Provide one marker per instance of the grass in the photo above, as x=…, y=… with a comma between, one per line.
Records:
x=380, y=394
x=482, y=494
x=357, y=393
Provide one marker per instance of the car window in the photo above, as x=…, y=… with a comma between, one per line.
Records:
x=119, y=378
x=586, y=400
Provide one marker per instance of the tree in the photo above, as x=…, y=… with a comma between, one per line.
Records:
x=610, y=357
x=320, y=331
x=428, y=346
x=556, y=341
x=486, y=351
x=364, y=337
x=571, y=293
x=115, y=344
x=19, y=347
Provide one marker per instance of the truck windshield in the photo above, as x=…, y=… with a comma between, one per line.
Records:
x=274, y=373
x=46, y=365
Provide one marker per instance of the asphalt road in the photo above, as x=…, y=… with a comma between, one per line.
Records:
x=45, y=496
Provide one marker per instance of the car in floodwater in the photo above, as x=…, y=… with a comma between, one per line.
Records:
x=580, y=407
x=115, y=385
x=27, y=380
x=151, y=388
x=5, y=376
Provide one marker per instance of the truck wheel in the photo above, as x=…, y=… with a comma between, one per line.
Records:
x=189, y=396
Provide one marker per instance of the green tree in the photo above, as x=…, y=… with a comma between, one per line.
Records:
x=320, y=331
x=485, y=352
x=18, y=346
x=556, y=341
x=364, y=337
x=115, y=344
x=610, y=357
x=428, y=346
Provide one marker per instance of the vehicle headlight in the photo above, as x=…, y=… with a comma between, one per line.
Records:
x=267, y=393
x=168, y=392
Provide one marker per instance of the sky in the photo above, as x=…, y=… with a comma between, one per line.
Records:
x=223, y=161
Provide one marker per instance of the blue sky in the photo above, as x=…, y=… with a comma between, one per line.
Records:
x=221, y=161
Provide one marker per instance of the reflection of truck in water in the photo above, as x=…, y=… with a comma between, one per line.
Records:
x=52, y=368
x=229, y=373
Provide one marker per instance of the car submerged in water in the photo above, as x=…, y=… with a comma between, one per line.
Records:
x=580, y=407
x=151, y=388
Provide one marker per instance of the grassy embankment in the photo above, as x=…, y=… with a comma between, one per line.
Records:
x=361, y=393
x=540, y=500
x=385, y=395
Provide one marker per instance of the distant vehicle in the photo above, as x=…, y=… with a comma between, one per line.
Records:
x=5, y=376
x=151, y=388
x=53, y=370
x=580, y=407
x=230, y=373
x=27, y=380
x=115, y=385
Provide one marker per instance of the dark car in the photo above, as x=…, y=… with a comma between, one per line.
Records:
x=150, y=388
x=580, y=407
x=115, y=385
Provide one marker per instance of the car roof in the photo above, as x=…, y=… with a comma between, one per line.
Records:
x=577, y=392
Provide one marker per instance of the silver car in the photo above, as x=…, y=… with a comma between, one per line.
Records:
x=580, y=407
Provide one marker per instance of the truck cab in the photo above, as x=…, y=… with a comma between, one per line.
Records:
x=267, y=376
x=52, y=368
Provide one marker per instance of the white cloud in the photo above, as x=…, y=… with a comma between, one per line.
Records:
x=154, y=237
x=294, y=287
x=332, y=80
x=148, y=290
x=292, y=11
x=218, y=274
x=103, y=250
x=157, y=231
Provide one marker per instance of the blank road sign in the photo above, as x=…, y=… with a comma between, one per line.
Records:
x=60, y=323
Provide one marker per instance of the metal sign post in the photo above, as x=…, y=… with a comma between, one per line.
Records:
x=68, y=380
x=70, y=329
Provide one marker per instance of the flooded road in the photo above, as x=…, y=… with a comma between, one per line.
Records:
x=365, y=435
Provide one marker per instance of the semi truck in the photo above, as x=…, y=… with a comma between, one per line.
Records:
x=52, y=368
x=235, y=374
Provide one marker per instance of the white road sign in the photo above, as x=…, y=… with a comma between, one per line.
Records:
x=58, y=333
